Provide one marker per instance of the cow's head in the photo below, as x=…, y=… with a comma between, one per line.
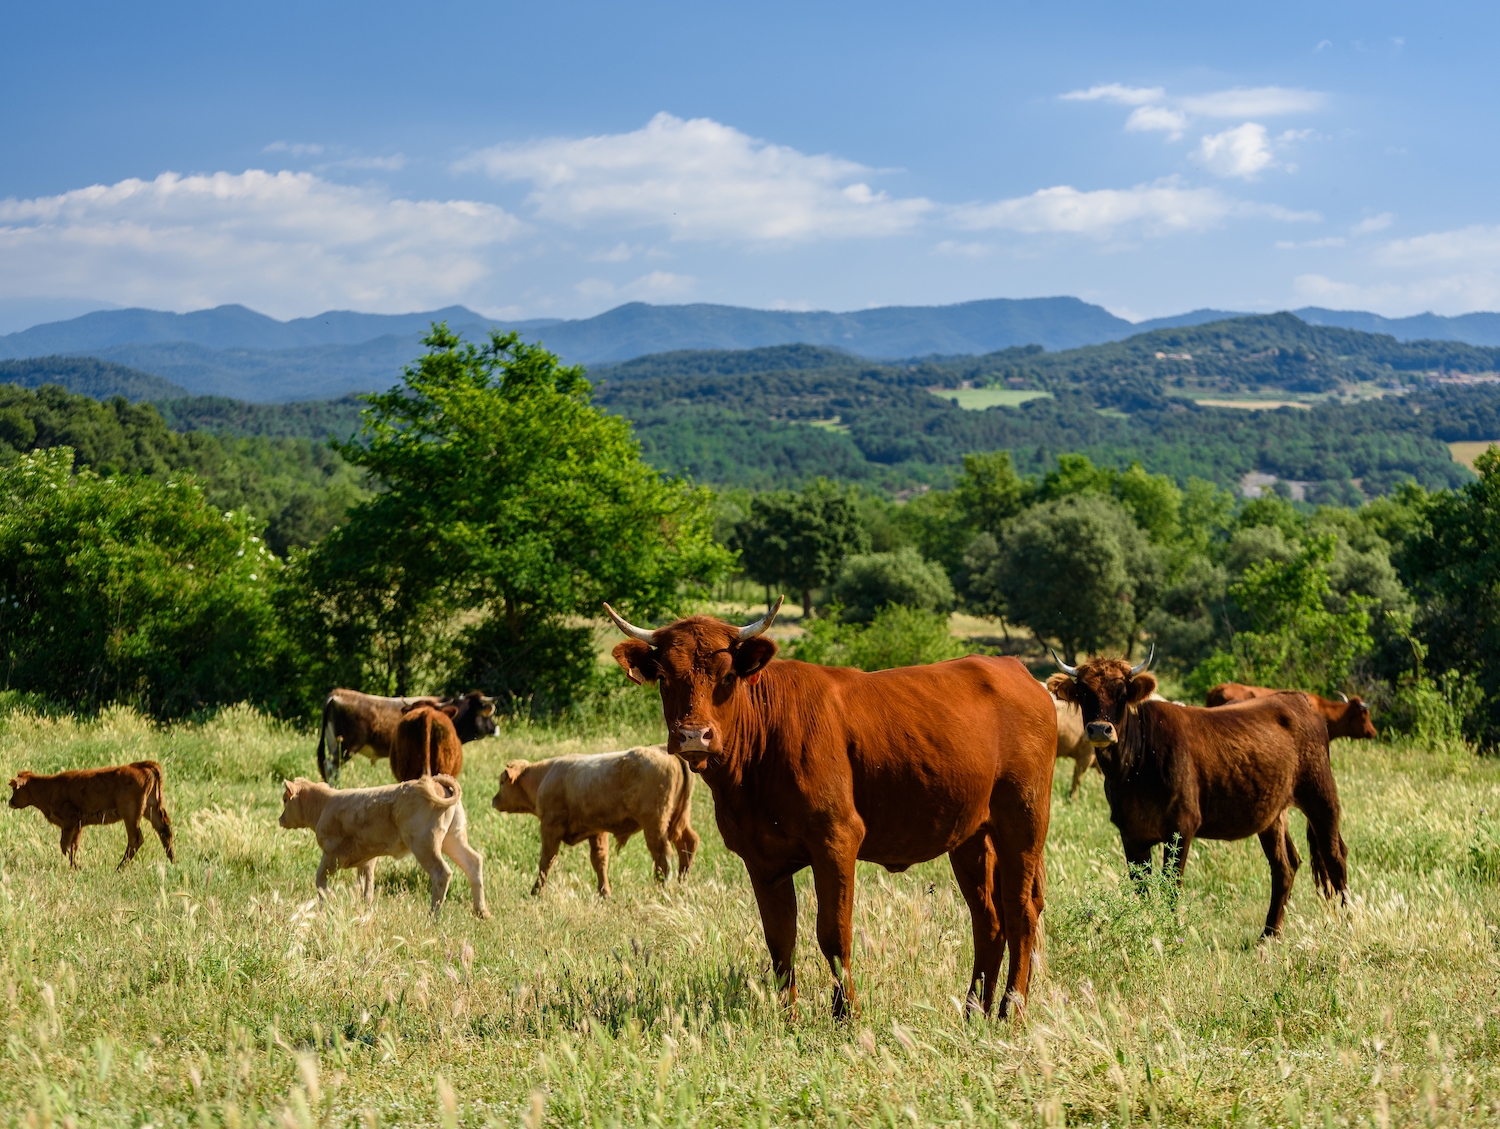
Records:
x=513, y=794
x=20, y=794
x=473, y=716
x=704, y=667
x=1354, y=721
x=292, y=815
x=1104, y=690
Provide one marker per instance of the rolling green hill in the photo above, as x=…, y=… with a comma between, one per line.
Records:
x=88, y=376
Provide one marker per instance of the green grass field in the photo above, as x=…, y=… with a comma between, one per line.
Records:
x=977, y=399
x=217, y=992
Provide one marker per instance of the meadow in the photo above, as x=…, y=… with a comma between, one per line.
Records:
x=218, y=992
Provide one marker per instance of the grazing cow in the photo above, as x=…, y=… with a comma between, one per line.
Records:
x=1349, y=717
x=355, y=826
x=426, y=743
x=823, y=766
x=1174, y=773
x=81, y=797
x=593, y=797
x=360, y=723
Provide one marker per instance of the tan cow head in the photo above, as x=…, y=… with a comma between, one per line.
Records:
x=705, y=668
x=513, y=795
x=292, y=815
x=1103, y=690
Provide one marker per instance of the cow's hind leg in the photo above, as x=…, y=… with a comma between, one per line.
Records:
x=471, y=862
x=1019, y=832
x=599, y=859
x=656, y=843
x=833, y=879
x=1320, y=803
x=777, y=900
x=1274, y=840
x=973, y=865
x=133, y=838
x=430, y=859
x=365, y=879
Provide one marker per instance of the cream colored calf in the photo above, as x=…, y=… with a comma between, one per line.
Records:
x=593, y=797
x=355, y=826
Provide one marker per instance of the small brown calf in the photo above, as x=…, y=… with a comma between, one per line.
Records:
x=426, y=744
x=80, y=797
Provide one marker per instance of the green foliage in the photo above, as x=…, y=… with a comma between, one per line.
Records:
x=871, y=581
x=896, y=636
x=509, y=502
x=1294, y=640
x=1080, y=571
x=306, y=419
x=989, y=492
x=88, y=376
x=1452, y=562
x=800, y=539
x=130, y=589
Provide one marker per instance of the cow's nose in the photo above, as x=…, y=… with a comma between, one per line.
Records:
x=1101, y=731
x=696, y=738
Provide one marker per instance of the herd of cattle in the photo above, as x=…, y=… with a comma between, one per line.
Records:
x=818, y=767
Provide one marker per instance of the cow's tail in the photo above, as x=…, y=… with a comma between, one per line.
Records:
x=156, y=808
x=328, y=743
x=442, y=790
x=683, y=809
x=428, y=736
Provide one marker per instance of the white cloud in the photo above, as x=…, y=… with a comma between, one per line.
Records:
x=297, y=150
x=656, y=285
x=1253, y=102
x=285, y=242
x=1477, y=244
x=1171, y=122
x=1156, y=209
x=1373, y=223
x=1114, y=92
x=1293, y=245
x=700, y=180
x=963, y=250
x=387, y=164
x=1243, y=151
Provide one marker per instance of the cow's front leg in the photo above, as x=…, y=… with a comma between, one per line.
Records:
x=71, y=833
x=1138, y=860
x=777, y=900
x=599, y=856
x=366, y=881
x=327, y=866
x=833, y=878
x=551, y=844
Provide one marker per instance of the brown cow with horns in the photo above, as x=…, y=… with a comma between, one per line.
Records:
x=1184, y=772
x=823, y=766
x=1349, y=717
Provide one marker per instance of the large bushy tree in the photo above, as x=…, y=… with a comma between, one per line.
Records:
x=508, y=504
x=801, y=538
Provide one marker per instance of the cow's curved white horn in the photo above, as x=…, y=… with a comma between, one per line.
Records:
x=1142, y=666
x=629, y=628
x=1071, y=671
x=1343, y=697
x=751, y=630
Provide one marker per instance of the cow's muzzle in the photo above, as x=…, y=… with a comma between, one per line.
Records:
x=1101, y=733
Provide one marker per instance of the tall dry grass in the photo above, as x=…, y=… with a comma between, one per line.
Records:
x=217, y=992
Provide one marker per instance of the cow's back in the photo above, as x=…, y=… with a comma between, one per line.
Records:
x=605, y=790
x=922, y=750
x=97, y=794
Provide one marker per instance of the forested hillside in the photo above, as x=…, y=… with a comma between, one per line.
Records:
x=88, y=376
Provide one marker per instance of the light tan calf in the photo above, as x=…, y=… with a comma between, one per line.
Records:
x=592, y=797
x=355, y=826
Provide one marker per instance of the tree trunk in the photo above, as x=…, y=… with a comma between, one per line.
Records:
x=807, y=612
x=768, y=599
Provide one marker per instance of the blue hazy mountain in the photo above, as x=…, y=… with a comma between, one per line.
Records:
x=234, y=351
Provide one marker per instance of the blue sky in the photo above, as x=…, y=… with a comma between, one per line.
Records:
x=559, y=159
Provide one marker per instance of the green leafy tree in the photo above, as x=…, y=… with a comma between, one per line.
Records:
x=897, y=636
x=1080, y=571
x=1296, y=640
x=800, y=538
x=130, y=589
x=989, y=492
x=871, y=581
x=508, y=504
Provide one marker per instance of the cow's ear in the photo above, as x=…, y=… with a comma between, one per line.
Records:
x=286, y=790
x=1142, y=686
x=751, y=657
x=1061, y=686
x=451, y=711
x=513, y=771
x=637, y=660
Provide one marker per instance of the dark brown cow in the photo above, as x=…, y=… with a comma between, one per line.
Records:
x=822, y=766
x=361, y=723
x=1175, y=773
x=1348, y=718
x=426, y=743
x=83, y=797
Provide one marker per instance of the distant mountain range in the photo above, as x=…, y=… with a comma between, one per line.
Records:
x=234, y=351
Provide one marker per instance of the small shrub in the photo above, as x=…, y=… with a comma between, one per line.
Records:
x=897, y=636
x=872, y=581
